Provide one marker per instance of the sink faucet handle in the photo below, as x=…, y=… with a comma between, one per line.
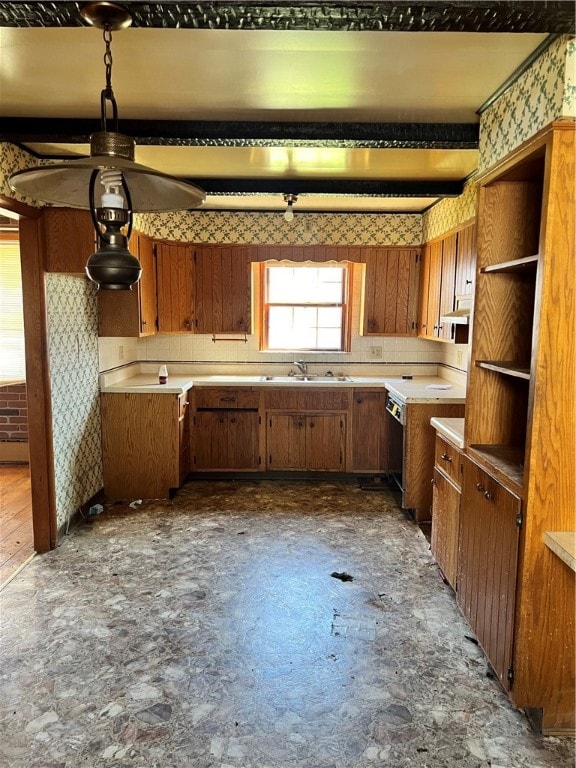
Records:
x=302, y=366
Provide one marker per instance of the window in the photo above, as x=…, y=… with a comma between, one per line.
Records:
x=12, y=365
x=305, y=307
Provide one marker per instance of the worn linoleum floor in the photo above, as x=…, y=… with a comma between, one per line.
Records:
x=208, y=632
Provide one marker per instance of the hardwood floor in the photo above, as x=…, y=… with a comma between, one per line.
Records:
x=16, y=535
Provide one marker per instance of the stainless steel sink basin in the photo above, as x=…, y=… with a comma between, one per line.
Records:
x=308, y=379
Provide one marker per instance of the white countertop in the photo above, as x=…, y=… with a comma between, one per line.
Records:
x=451, y=429
x=427, y=389
x=414, y=390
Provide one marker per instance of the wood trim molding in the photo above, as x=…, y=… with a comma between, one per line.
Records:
x=38, y=387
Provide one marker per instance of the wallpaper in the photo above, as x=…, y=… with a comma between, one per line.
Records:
x=542, y=94
x=13, y=159
x=272, y=229
x=73, y=358
x=450, y=212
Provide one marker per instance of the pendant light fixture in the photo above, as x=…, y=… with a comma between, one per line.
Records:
x=128, y=187
x=289, y=212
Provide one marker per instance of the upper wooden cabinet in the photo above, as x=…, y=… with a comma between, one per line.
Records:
x=132, y=313
x=174, y=275
x=391, y=291
x=222, y=297
x=69, y=239
x=448, y=265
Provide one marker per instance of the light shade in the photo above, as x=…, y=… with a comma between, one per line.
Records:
x=67, y=184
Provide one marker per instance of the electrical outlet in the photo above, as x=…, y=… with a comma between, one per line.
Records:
x=121, y=352
x=375, y=353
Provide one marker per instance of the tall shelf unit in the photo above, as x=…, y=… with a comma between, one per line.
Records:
x=521, y=425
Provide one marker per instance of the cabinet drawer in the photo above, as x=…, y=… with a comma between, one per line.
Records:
x=227, y=397
x=307, y=399
x=448, y=460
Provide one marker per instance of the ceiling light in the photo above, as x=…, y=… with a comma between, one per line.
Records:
x=289, y=212
x=127, y=186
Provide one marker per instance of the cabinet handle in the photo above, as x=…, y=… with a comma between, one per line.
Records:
x=359, y=401
x=311, y=424
x=479, y=487
x=299, y=423
x=446, y=457
x=233, y=421
x=227, y=399
x=488, y=495
x=468, y=282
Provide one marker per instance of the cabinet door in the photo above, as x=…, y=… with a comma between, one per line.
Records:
x=147, y=286
x=184, y=436
x=369, y=443
x=391, y=291
x=445, y=526
x=243, y=447
x=325, y=442
x=175, y=294
x=466, y=261
x=222, y=290
x=286, y=441
x=434, y=284
x=487, y=565
x=132, y=313
x=210, y=437
x=447, y=284
x=423, y=291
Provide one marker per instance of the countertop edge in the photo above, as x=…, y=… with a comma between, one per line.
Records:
x=563, y=545
x=452, y=429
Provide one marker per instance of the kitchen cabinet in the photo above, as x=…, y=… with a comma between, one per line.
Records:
x=132, y=313
x=306, y=441
x=222, y=292
x=521, y=395
x=226, y=429
x=448, y=265
x=465, y=261
x=174, y=275
x=490, y=520
x=391, y=291
x=68, y=238
x=446, y=492
x=369, y=450
x=305, y=428
x=145, y=444
x=418, y=455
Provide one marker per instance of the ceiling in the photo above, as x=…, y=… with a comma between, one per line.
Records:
x=344, y=104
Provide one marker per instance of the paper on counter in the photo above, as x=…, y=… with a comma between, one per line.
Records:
x=438, y=386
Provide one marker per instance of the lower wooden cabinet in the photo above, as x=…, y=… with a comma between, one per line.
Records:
x=488, y=565
x=369, y=441
x=305, y=441
x=145, y=444
x=445, y=526
x=226, y=440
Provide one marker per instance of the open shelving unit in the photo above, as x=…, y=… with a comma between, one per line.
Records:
x=520, y=448
x=506, y=304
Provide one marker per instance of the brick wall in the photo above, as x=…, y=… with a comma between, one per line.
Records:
x=13, y=413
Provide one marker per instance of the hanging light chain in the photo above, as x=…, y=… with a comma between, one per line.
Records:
x=107, y=35
x=108, y=94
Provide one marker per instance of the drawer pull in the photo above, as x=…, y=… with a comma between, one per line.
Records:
x=227, y=399
x=488, y=495
x=479, y=487
x=446, y=457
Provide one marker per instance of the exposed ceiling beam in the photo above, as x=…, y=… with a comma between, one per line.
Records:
x=244, y=134
x=340, y=187
x=552, y=16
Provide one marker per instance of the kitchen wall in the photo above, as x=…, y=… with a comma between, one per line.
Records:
x=75, y=398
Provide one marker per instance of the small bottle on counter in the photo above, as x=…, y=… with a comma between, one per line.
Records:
x=163, y=374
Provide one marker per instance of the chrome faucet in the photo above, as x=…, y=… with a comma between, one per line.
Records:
x=302, y=366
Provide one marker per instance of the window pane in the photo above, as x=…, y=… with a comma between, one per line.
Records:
x=304, y=322
x=329, y=338
x=12, y=365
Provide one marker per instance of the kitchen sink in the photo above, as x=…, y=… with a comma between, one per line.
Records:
x=308, y=379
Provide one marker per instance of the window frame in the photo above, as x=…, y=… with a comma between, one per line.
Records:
x=345, y=305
